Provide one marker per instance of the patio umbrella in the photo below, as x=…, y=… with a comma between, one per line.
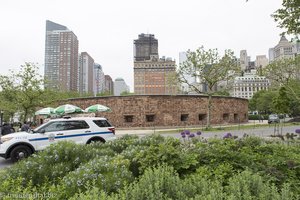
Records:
x=45, y=111
x=97, y=108
x=67, y=108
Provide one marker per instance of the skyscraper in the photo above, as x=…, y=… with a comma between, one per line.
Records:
x=109, y=84
x=99, y=79
x=145, y=47
x=244, y=60
x=120, y=86
x=151, y=74
x=284, y=49
x=61, y=58
x=261, y=61
x=86, y=73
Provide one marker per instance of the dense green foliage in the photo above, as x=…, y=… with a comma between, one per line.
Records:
x=262, y=101
x=288, y=17
x=155, y=167
x=23, y=92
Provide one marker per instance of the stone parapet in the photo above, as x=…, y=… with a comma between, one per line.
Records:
x=167, y=110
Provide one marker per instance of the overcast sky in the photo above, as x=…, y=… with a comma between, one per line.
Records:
x=106, y=29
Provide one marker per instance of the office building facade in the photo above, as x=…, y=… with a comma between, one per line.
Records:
x=86, y=74
x=284, y=49
x=152, y=75
x=246, y=86
x=61, y=58
x=99, y=80
x=108, y=84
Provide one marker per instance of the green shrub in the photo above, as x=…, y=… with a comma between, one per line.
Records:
x=92, y=194
x=108, y=174
x=53, y=163
x=124, y=142
x=156, y=183
x=249, y=168
x=153, y=139
x=251, y=186
x=182, y=157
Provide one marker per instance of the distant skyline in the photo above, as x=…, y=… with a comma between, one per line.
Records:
x=106, y=29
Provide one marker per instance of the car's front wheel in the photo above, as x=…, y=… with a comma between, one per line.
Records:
x=20, y=152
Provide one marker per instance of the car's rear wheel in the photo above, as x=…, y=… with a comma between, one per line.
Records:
x=96, y=139
x=20, y=152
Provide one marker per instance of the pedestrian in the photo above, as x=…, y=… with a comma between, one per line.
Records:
x=25, y=127
x=261, y=118
x=6, y=129
x=12, y=128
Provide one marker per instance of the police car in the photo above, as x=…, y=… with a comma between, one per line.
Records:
x=81, y=130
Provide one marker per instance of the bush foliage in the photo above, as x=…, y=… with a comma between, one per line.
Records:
x=156, y=167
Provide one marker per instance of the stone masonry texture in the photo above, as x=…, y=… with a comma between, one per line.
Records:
x=167, y=110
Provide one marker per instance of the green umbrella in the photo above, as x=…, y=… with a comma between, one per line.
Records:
x=45, y=111
x=67, y=108
x=97, y=108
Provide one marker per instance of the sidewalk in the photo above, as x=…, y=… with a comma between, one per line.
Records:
x=152, y=130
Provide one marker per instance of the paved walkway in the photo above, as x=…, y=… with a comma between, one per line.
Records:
x=146, y=131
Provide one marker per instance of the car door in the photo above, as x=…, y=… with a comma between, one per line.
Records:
x=74, y=130
x=47, y=134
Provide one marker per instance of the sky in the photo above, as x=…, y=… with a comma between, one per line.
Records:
x=106, y=29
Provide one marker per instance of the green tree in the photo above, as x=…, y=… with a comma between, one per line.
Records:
x=23, y=92
x=208, y=67
x=262, y=101
x=286, y=73
x=282, y=102
x=7, y=98
x=288, y=17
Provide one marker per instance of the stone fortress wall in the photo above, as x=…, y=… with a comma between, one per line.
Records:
x=167, y=110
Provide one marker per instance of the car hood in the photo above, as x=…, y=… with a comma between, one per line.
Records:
x=17, y=134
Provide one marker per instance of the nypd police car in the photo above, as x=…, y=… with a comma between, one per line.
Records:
x=81, y=130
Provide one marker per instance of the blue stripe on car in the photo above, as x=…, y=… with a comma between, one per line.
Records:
x=68, y=136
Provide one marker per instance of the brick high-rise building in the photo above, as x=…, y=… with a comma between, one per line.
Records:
x=151, y=74
x=154, y=77
x=61, y=58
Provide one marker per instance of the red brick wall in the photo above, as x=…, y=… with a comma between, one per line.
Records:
x=168, y=110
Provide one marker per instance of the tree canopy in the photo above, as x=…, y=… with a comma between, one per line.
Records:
x=207, y=67
x=285, y=72
x=288, y=17
x=22, y=91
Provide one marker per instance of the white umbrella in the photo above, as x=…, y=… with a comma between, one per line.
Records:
x=45, y=111
x=97, y=108
x=67, y=108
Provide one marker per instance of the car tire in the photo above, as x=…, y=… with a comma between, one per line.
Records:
x=20, y=152
x=94, y=140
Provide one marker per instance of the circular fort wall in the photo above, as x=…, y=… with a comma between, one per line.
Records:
x=167, y=110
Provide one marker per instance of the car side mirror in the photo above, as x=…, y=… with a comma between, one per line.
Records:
x=43, y=131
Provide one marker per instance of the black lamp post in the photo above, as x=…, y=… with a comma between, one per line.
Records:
x=1, y=118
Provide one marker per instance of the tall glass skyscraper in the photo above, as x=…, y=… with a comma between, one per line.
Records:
x=61, y=58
